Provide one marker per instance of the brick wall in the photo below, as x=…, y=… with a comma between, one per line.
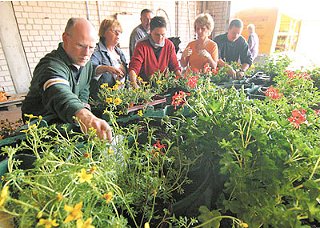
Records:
x=5, y=78
x=220, y=11
x=41, y=25
x=188, y=11
x=185, y=21
x=221, y=15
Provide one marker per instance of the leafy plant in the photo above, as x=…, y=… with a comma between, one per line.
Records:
x=267, y=154
x=80, y=179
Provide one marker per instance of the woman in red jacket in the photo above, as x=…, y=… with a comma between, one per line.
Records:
x=153, y=53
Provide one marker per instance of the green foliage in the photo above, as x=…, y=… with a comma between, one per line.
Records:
x=126, y=183
x=117, y=100
x=273, y=65
x=271, y=165
x=206, y=215
x=315, y=76
x=258, y=160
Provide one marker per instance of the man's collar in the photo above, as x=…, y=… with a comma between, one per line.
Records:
x=76, y=66
x=143, y=29
x=64, y=55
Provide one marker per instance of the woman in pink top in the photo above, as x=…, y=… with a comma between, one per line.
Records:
x=202, y=50
x=153, y=53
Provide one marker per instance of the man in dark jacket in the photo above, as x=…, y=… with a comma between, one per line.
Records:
x=61, y=80
x=233, y=47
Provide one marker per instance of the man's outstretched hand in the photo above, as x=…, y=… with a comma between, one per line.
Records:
x=88, y=120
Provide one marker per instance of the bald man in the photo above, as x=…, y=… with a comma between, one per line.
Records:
x=61, y=80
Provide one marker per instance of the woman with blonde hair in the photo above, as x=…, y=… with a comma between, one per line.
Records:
x=202, y=50
x=108, y=59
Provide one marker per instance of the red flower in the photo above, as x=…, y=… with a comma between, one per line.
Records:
x=298, y=117
x=273, y=93
x=192, y=81
x=158, y=145
x=304, y=75
x=206, y=68
x=179, y=98
x=290, y=74
x=215, y=71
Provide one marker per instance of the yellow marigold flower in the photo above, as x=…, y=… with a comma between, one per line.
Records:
x=119, y=82
x=154, y=192
x=47, y=223
x=146, y=225
x=92, y=129
x=108, y=197
x=120, y=112
x=86, y=224
x=4, y=195
x=139, y=79
x=159, y=82
x=93, y=169
x=140, y=113
x=33, y=126
x=104, y=85
x=244, y=225
x=30, y=116
x=75, y=212
x=59, y=196
x=87, y=155
x=115, y=87
x=117, y=101
x=110, y=150
x=84, y=176
x=109, y=100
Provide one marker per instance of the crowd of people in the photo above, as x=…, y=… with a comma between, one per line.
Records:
x=64, y=79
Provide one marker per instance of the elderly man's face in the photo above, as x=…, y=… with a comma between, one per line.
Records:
x=234, y=33
x=79, y=43
x=145, y=20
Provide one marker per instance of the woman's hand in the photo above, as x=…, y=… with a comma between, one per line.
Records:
x=205, y=53
x=187, y=52
x=114, y=70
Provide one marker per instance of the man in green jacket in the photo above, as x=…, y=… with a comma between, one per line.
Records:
x=61, y=80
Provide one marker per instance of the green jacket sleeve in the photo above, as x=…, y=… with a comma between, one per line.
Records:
x=62, y=98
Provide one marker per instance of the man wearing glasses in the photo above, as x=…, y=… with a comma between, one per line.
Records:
x=60, y=85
